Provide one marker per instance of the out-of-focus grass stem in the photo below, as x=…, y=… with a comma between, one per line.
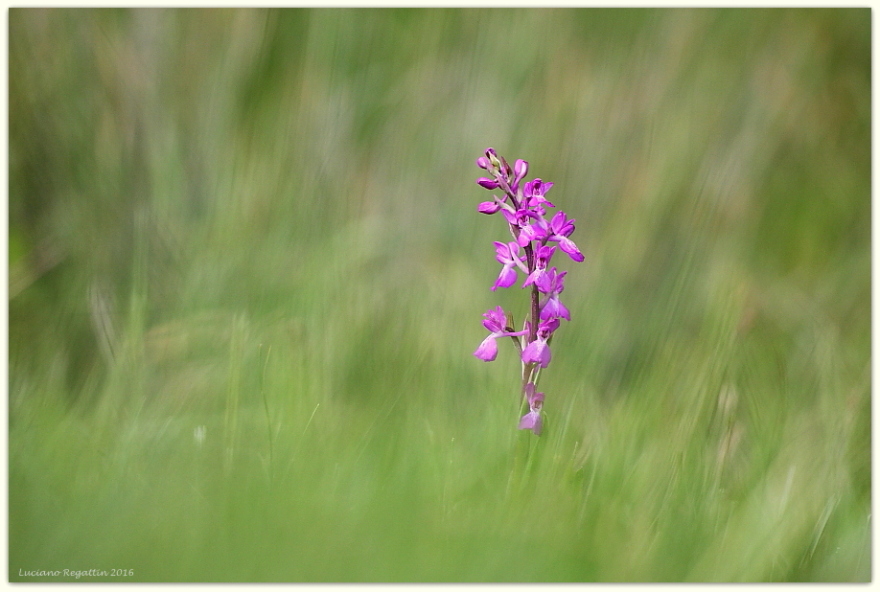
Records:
x=266, y=409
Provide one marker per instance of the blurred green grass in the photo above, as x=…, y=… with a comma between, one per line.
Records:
x=247, y=273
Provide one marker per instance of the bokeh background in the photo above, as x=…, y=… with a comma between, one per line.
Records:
x=247, y=273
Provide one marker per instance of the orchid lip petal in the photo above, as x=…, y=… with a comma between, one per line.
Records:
x=506, y=278
x=537, y=352
x=531, y=421
x=488, y=349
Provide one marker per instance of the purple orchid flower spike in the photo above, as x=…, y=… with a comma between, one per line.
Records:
x=532, y=419
x=523, y=205
x=508, y=256
x=495, y=321
x=538, y=352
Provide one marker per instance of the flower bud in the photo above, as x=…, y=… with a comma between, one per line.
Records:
x=520, y=169
x=488, y=207
x=493, y=158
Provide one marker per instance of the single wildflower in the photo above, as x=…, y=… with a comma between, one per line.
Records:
x=560, y=229
x=495, y=321
x=552, y=306
x=534, y=192
x=538, y=352
x=519, y=218
x=536, y=232
x=508, y=256
x=532, y=419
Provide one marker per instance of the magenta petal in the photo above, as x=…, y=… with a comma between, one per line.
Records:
x=538, y=426
x=563, y=311
x=545, y=356
x=527, y=421
x=521, y=169
x=487, y=183
x=488, y=349
x=537, y=352
x=488, y=207
x=560, y=281
x=524, y=237
x=506, y=278
x=537, y=277
x=531, y=421
x=559, y=223
x=568, y=246
x=527, y=234
x=544, y=254
x=536, y=401
x=495, y=319
x=546, y=328
x=543, y=281
x=553, y=308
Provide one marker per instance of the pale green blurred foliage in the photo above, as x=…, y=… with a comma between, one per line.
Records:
x=247, y=274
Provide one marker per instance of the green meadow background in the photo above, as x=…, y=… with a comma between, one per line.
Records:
x=247, y=274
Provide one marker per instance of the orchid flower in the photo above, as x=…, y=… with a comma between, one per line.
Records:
x=508, y=256
x=560, y=229
x=552, y=306
x=495, y=321
x=532, y=419
x=538, y=352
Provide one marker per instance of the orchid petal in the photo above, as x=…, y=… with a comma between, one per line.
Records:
x=568, y=246
x=506, y=278
x=531, y=421
x=488, y=349
x=537, y=352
